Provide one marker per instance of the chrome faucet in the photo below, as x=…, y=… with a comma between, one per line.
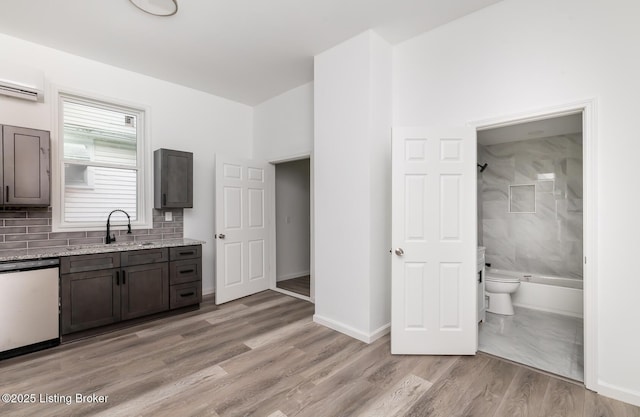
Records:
x=109, y=238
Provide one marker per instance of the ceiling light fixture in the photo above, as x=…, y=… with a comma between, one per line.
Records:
x=157, y=7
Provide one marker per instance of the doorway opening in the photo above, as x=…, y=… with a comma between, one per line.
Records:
x=293, y=227
x=531, y=224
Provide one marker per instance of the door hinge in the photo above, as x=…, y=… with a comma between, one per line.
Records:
x=585, y=260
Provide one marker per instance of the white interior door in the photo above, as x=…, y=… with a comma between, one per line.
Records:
x=244, y=216
x=433, y=303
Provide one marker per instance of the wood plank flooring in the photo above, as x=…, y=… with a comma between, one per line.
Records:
x=300, y=285
x=264, y=356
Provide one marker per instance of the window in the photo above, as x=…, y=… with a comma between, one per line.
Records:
x=101, y=153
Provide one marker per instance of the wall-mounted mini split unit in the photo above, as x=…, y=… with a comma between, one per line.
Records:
x=21, y=82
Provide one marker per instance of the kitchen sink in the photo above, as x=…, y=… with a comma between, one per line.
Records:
x=108, y=245
x=128, y=244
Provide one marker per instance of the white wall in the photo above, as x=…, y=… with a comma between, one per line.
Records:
x=380, y=183
x=282, y=130
x=293, y=222
x=283, y=125
x=352, y=151
x=518, y=56
x=181, y=118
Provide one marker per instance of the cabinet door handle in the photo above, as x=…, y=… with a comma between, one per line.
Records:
x=186, y=271
x=187, y=253
x=117, y=277
x=124, y=278
x=164, y=199
x=188, y=294
x=7, y=194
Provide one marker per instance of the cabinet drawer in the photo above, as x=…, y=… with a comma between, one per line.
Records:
x=185, y=294
x=83, y=263
x=185, y=252
x=144, y=256
x=185, y=271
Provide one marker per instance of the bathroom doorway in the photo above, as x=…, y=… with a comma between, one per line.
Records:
x=293, y=227
x=531, y=223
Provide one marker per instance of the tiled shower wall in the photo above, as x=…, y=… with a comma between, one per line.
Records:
x=549, y=241
x=30, y=228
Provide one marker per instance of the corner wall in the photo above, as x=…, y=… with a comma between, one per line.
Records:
x=283, y=130
x=519, y=56
x=352, y=148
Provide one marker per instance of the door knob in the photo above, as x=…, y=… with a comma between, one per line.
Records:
x=399, y=252
x=221, y=236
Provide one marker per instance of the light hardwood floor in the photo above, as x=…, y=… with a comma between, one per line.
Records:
x=263, y=356
x=300, y=285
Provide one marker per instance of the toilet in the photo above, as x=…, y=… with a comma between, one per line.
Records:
x=498, y=288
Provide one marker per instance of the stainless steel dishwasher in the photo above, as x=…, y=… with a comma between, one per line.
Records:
x=29, y=313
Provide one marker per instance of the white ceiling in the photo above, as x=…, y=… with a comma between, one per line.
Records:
x=555, y=126
x=244, y=50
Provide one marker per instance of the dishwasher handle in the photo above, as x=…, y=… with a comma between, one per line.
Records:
x=28, y=265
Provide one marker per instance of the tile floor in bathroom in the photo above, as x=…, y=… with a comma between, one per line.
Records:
x=547, y=341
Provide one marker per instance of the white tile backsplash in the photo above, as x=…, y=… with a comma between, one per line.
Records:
x=544, y=242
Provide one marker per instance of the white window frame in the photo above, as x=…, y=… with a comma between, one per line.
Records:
x=144, y=190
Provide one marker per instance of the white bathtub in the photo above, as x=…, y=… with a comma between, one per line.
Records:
x=553, y=294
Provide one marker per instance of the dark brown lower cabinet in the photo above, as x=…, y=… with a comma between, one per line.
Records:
x=89, y=299
x=185, y=276
x=144, y=290
x=102, y=289
x=97, y=298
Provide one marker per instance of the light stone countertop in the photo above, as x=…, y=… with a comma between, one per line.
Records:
x=42, y=253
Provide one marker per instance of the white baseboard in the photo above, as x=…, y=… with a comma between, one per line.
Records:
x=351, y=331
x=382, y=331
x=292, y=294
x=620, y=394
x=293, y=275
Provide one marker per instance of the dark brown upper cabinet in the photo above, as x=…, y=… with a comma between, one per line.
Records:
x=25, y=167
x=172, y=179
